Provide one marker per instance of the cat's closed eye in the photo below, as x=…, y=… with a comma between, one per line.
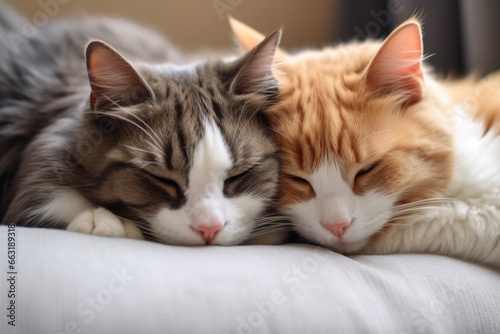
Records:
x=298, y=180
x=237, y=177
x=365, y=170
x=166, y=181
x=239, y=180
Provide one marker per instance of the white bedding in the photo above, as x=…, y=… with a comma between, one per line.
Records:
x=74, y=283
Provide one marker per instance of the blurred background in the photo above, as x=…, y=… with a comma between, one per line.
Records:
x=460, y=35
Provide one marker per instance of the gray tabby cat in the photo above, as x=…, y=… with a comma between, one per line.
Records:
x=120, y=143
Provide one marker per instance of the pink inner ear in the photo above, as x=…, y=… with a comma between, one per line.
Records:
x=104, y=65
x=112, y=79
x=397, y=66
x=95, y=60
x=93, y=63
x=97, y=69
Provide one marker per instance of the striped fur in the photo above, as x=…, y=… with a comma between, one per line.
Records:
x=68, y=163
x=379, y=157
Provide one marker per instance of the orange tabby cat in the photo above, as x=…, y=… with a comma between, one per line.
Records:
x=380, y=157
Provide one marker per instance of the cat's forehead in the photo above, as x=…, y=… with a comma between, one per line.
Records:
x=328, y=79
x=348, y=136
x=186, y=98
x=327, y=110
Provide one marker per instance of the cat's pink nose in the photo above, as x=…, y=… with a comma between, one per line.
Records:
x=208, y=231
x=337, y=228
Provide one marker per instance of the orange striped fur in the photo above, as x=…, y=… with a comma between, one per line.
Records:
x=338, y=105
x=380, y=157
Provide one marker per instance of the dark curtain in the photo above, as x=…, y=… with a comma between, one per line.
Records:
x=460, y=36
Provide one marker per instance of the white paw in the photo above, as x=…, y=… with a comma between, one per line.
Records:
x=102, y=222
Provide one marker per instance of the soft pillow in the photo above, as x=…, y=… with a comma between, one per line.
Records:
x=75, y=283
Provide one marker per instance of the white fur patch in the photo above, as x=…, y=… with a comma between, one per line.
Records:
x=335, y=201
x=68, y=207
x=99, y=222
x=206, y=203
x=63, y=207
x=468, y=224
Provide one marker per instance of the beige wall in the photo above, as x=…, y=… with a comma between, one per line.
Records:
x=196, y=24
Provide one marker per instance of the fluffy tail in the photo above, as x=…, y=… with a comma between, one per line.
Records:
x=10, y=19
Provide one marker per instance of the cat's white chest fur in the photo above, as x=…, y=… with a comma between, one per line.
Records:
x=468, y=223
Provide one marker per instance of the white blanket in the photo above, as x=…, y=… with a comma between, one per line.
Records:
x=66, y=282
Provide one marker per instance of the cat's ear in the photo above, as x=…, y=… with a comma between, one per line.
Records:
x=248, y=38
x=113, y=81
x=397, y=66
x=254, y=71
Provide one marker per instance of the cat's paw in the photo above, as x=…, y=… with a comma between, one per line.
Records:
x=102, y=222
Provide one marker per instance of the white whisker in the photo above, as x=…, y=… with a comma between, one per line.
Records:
x=407, y=210
x=138, y=149
x=156, y=144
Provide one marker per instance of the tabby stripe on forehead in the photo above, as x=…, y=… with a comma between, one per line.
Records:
x=168, y=151
x=339, y=133
x=178, y=110
x=355, y=147
x=217, y=109
x=181, y=138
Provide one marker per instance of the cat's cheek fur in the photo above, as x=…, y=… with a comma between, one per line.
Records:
x=239, y=214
